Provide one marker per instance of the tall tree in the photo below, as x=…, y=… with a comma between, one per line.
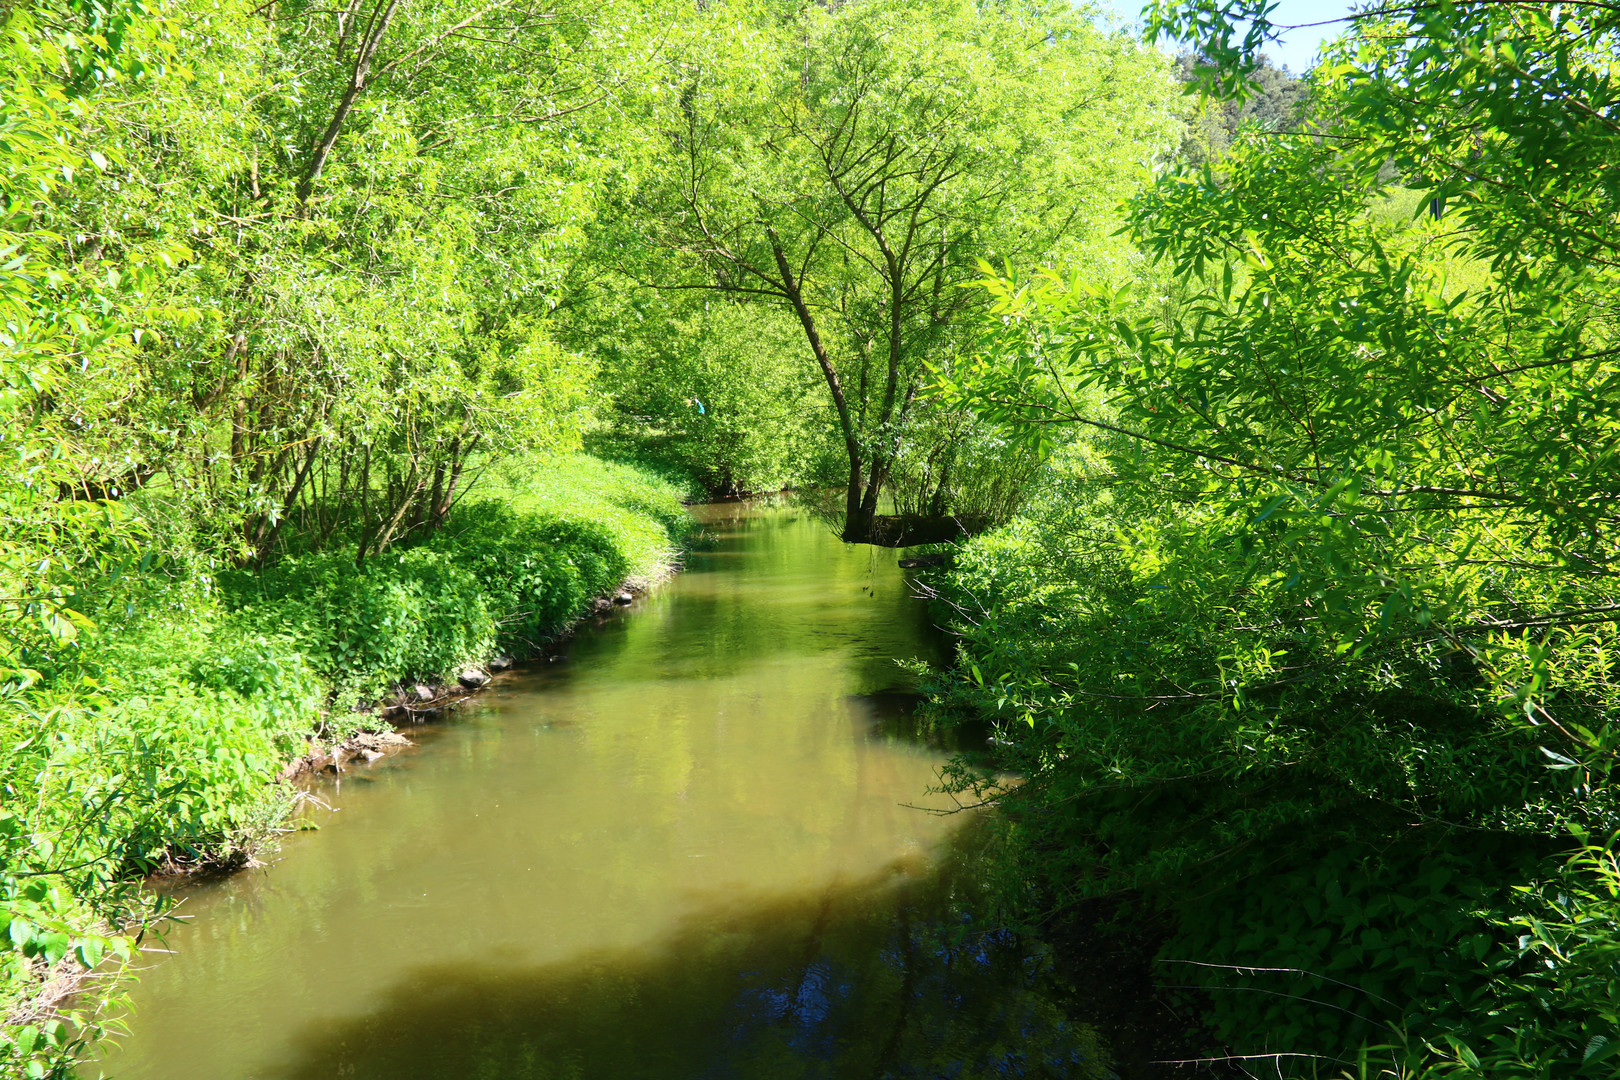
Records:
x=851, y=164
x=377, y=209
x=1342, y=601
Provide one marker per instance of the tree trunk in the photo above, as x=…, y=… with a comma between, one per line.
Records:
x=441, y=506
x=858, y=523
x=852, y=442
x=268, y=534
x=357, y=84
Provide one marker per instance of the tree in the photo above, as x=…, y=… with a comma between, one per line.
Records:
x=59, y=557
x=1339, y=601
x=1277, y=104
x=272, y=277
x=378, y=211
x=708, y=384
x=61, y=325
x=850, y=165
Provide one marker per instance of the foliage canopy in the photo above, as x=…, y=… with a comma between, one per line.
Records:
x=849, y=164
x=1320, y=618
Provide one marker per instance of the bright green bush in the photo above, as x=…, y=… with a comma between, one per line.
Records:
x=537, y=573
x=168, y=763
x=516, y=563
x=637, y=507
x=176, y=747
x=404, y=614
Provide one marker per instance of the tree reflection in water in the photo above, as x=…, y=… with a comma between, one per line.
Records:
x=888, y=977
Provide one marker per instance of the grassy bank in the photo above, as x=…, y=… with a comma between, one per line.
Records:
x=157, y=739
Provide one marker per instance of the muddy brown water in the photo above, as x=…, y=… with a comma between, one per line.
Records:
x=694, y=845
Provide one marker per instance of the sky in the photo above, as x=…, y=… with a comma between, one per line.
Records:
x=1298, y=47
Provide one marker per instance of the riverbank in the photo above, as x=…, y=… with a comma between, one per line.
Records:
x=172, y=751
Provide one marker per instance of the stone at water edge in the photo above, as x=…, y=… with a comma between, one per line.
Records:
x=423, y=693
x=472, y=678
x=500, y=663
x=624, y=598
x=376, y=740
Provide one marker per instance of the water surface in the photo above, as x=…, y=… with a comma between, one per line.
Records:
x=691, y=845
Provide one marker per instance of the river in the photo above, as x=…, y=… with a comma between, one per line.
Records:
x=696, y=843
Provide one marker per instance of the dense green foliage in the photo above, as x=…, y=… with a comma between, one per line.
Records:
x=847, y=165
x=510, y=571
x=273, y=284
x=1275, y=103
x=298, y=353
x=713, y=389
x=1311, y=639
x=1303, y=627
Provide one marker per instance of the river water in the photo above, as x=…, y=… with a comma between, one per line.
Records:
x=693, y=845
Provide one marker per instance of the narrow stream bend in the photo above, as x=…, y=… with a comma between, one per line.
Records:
x=689, y=847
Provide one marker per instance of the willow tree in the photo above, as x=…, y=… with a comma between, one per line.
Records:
x=1325, y=632
x=377, y=200
x=853, y=164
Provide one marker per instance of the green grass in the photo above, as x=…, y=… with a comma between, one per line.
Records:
x=638, y=506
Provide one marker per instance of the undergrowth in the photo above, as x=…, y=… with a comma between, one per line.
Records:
x=1369, y=871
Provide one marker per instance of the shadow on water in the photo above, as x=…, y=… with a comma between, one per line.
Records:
x=898, y=713
x=887, y=977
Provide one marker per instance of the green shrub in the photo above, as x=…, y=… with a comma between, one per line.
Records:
x=639, y=507
x=404, y=614
x=1345, y=840
x=537, y=573
x=509, y=569
x=166, y=762
x=192, y=720
x=1544, y=1000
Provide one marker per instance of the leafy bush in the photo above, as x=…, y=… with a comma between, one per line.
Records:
x=1321, y=654
x=1345, y=841
x=537, y=573
x=167, y=762
x=1546, y=1000
x=638, y=507
x=514, y=565
x=404, y=614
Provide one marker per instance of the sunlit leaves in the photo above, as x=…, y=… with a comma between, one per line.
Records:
x=1337, y=573
x=850, y=165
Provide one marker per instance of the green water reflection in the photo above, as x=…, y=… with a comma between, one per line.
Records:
x=682, y=849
